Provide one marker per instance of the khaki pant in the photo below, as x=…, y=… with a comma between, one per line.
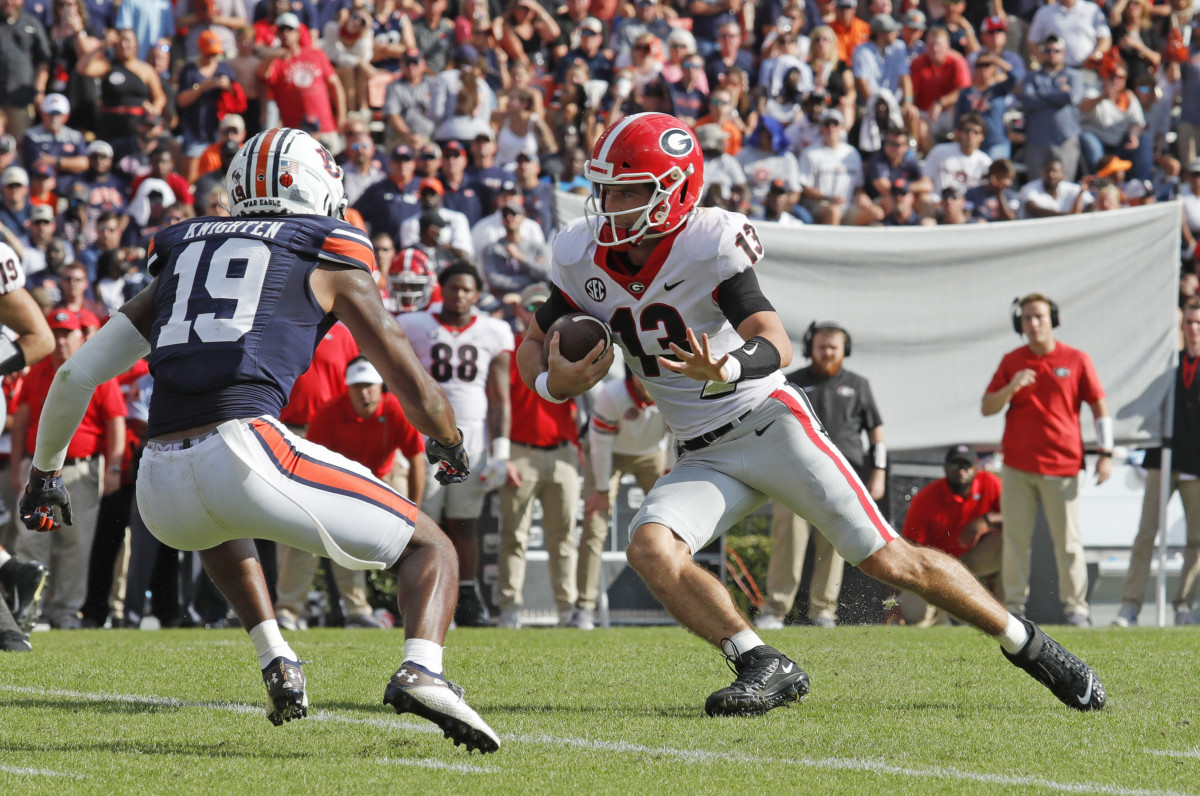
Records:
x=1188, y=143
x=646, y=469
x=1143, y=544
x=789, y=541
x=551, y=476
x=19, y=120
x=983, y=561
x=9, y=530
x=67, y=552
x=295, y=576
x=1060, y=501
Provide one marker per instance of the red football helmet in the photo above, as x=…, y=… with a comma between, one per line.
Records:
x=647, y=147
x=410, y=280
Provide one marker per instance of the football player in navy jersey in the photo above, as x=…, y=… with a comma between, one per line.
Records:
x=232, y=318
x=676, y=284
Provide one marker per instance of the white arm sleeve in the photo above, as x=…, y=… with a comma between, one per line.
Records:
x=111, y=351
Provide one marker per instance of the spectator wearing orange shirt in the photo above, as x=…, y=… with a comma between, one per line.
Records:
x=849, y=29
x=99, y=441
x=959, y=515
x=233, y=128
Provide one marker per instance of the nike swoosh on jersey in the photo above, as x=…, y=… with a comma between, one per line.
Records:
x=1087, y=695
x=759, y=431
x=673, y=285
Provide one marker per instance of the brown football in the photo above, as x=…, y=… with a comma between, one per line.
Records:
x=578, y=334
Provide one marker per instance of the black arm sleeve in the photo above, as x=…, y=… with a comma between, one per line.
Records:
x=554, y=308
x=739, y=297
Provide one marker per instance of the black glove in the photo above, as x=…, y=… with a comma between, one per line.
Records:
x=453, y=460
x=41, y=497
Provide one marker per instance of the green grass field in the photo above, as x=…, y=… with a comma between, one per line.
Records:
x=892, y=710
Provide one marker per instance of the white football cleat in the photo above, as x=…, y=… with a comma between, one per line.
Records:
x=415, y=689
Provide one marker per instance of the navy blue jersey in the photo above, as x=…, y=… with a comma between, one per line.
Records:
x=235, y=322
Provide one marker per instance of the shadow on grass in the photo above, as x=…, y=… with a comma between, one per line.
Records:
x=219, y=749
x=76, y=703
x=567, y=711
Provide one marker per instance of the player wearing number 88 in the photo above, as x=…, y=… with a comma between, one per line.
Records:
x=467, y=353
x=232, y=318
x=677, y=286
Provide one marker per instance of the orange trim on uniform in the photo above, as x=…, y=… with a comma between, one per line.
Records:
x=345, y=247
x=260, y=167
x=327, y=476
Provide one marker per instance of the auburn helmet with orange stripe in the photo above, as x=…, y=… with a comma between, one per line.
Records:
x=410, y=280
x=652, y=148
x=283, y=171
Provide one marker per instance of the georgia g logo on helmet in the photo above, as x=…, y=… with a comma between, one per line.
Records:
x=676, y=142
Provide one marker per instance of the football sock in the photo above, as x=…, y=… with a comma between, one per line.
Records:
x=269, y=643
x=1015, y=636
x=425, y=653
x=466, y=584
x=741, y=643
x=5, y=557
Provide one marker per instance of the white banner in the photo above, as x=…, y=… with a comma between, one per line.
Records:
x=928, y=309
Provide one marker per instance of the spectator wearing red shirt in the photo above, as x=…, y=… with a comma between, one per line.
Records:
x=303, y=83
x=323, y=382
x=1044, y=384
x=544, y=465
x=959, y=515
x=938, y=75
x=100, y=438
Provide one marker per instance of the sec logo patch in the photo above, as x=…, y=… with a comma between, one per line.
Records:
x=595, y=289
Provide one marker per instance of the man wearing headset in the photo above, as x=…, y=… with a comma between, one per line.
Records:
x=845, y=405
x=1044, y=384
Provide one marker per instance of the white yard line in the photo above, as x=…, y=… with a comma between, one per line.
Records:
x=856, y=764
x=1195, y=753
x=37, y=772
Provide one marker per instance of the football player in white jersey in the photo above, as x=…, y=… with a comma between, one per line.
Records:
x=677, y=286
x=25, y=338
x=467, y=353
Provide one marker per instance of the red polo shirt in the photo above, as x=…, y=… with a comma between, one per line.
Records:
x=1041, y=427
x=372, y=441
x=936, y=515
x=106, y=404
x=932, y=82
x=536, y=421
x=325, y=378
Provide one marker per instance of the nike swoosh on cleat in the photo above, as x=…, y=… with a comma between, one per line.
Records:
x=673, y=285
x=1087, y=695
x=760, y=431
x=787, y=668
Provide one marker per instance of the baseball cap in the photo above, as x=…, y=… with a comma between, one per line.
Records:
x=508, y=186
x=710, y=136
x=63, y=319
x=465, y=53
x=529, y=156
x=43, y=171
x=430, y=151
x=56, y=103
x=209, y=43
x=847, y=3
x=915, y=19
x=453, y=148
x=99, y=147
x=884, y=23
x=992, y=24
x=1194, y=166
x=832, y=115
x=14, y=175
x=432, y=184
x=988, y=59
x=486, y=135
x=961, y=453
x=401, y=152
x=41, y=213
x=778, y=185
x=592, y=24
x=233, y=121
x=536, y=293
x=287, y=20
x=900, y=187
x=412, y=56
x=360, y=371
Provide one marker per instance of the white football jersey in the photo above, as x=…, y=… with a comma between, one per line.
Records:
x=673, y=292
x=12, y=275
x=458, y=359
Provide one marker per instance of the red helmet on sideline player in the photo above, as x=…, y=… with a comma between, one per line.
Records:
x=647, y=147
x=410, y=280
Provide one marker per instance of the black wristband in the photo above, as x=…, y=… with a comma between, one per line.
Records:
x=758, y=358
x=1104, y=454
x=12, y=358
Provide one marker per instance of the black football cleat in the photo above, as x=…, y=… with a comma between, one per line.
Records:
x=24, y=582
x=284, y=680
x=766, y=679
x=471, y=611
x=1067, y=677
x=11, y=639
x=415, y=689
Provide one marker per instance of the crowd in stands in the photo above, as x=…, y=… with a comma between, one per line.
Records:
x=458, y=122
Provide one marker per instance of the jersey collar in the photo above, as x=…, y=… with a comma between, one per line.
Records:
x=637, y=283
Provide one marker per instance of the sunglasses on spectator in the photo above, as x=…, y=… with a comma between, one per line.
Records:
x=718, y=102
x=1055, y=50
x=642, y=48
x=40, y=221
